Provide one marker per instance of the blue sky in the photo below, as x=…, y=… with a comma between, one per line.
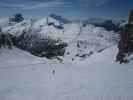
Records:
x=69, y=8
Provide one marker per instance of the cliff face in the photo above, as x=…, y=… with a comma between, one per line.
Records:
x=126, y=41
x=6, y=40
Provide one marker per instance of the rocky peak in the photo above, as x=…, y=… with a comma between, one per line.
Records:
x=130, y=21
x=126, y=41
x=59, y=18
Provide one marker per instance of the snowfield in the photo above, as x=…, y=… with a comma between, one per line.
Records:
x=99, y=77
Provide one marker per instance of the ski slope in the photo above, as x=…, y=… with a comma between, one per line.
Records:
x=26, y=77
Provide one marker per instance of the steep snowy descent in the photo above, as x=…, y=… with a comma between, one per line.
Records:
x=91, y=79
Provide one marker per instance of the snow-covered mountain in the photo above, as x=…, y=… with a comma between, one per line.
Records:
x=4, y=22
x=82, y=41
x=110, y=24
x=85, y=67
x=60, y=18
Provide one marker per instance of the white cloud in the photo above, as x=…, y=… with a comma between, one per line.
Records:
x=92, y=3
x=37, y=5
x=48, y=5
x=101, y=3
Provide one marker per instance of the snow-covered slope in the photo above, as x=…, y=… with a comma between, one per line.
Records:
x=19, y=28
x=25, y=77
x=15, y=57
x=91, y=39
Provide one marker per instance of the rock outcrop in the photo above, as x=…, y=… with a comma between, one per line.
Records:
x=126, y=41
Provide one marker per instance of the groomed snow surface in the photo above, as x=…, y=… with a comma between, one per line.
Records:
x=26, y=77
